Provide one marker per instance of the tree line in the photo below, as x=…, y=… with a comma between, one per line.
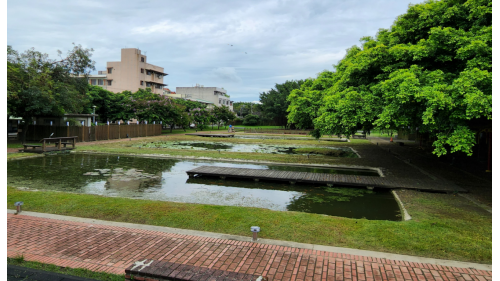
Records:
x=38, y=86
x=430, y=72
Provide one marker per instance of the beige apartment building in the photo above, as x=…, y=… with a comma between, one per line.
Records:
x=131, y=73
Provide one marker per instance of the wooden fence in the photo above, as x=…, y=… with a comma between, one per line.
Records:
x=93, y=133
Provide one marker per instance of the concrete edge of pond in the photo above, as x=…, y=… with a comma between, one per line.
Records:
x=404, y=212
x=264, y=241
x=353, y=167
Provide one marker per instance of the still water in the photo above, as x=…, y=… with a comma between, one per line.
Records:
x=238, y=147
x=166, y=180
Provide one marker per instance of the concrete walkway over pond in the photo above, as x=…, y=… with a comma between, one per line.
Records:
x=112, y=247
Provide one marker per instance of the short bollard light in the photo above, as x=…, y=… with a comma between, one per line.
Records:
x=255, y=230
x=18, y=206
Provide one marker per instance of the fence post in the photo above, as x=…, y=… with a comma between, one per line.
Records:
x=108, y=130
x=83, y=133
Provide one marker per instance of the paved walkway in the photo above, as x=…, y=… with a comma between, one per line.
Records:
x=110, y=248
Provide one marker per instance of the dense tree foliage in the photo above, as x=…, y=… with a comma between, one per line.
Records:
x=275, y=103
x=222, y=115
x=242, y=108
x=431, y=71
x=251, y=120
x=109, y=106
x=39, y=86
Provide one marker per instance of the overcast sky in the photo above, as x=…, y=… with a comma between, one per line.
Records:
x=246, y=47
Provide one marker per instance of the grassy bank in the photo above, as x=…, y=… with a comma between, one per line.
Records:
x=20, y=155
x=443, y=226
x=127, y=147
x=80, y=272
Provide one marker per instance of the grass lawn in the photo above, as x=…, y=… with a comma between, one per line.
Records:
x=189, y=131
x=262, y=127
x=20, y=155
x=443, y=226
x=14, y=145
x=80, y=272
x=379, y=133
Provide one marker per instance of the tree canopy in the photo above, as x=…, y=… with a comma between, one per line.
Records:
x=275, y=103
x=431, y=71
x=39, y=86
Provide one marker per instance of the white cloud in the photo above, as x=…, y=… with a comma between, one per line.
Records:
x=272, y=40
x=226, y=74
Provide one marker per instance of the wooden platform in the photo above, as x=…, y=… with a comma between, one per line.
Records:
x=324, y=178
x=212, y=135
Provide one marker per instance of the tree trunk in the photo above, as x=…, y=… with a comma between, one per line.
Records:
x=24, y=132
x=171, y=127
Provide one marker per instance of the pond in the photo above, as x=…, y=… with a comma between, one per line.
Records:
x=259, y=148
x=166, y=180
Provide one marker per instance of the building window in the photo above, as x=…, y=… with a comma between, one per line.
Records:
x=220, y=101
x=148, y=84
x=110, y=70
x=148, y=72
x=93, y=82
x=142, y=83
x=142, y=70
x=109, y=82
x=100, y=82
x=142, y=59
x=159, y=76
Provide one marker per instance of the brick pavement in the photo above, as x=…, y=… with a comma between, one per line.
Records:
x=112, y=249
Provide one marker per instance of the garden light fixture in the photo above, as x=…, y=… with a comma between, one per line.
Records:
x=18, y=205
x=255, y=230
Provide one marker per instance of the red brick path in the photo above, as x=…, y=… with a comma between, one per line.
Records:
x=112, y=249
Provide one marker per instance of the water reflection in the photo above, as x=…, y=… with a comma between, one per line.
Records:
x=260, y=148
x=166, y=179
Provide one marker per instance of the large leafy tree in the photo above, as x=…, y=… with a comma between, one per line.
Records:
x=431, y=70
x=222, y=115
x=275, y=103
x=110, y=106
x=39, y=86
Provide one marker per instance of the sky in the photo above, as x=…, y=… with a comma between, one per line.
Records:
x=246, y=47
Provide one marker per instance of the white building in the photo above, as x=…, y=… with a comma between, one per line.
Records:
x=215, y=95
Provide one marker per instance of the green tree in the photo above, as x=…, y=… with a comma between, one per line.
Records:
x=242, y=108
x=251, y=120
x=222, y=115
x=39, y=86
x=109, y=106
x=200, y=117
x=275, y=104
x=431, y=70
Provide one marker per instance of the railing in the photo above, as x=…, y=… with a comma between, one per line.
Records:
x=93, y=133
